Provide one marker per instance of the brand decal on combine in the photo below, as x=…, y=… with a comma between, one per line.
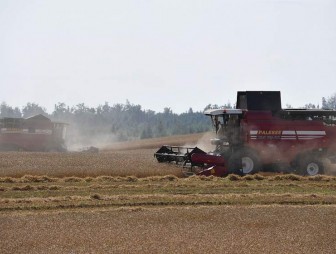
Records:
x=286, y=134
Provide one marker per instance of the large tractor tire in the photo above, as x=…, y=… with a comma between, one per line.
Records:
x=244, y=162
x=311, y=167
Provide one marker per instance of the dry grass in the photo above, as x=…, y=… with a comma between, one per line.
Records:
x=291, y=177
x=216, y=229
x=29, y=192
x=115, y=179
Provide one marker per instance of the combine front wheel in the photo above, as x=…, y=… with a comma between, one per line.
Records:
x=244, y=162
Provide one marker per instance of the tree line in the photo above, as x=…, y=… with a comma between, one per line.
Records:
x=119, y=122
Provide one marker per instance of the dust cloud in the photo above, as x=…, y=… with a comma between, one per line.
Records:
x=204, y=143
x=81, y=137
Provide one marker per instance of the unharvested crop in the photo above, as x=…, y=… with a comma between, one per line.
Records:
x=139, y=163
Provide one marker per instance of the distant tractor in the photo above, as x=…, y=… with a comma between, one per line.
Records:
x=36, y=133
x=259, y=134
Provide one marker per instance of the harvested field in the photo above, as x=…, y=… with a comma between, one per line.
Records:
x=215, y=229
x=122, y=201
x=275, y=214
x=46, y=193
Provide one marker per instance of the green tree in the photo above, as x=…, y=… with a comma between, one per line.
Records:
x=8, y=111
x=32, y=109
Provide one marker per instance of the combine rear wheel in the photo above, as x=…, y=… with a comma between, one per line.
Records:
x=244, y=162
x=312, y=167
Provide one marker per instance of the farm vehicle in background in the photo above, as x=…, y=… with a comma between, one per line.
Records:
x=258, y=135
x=36, y=133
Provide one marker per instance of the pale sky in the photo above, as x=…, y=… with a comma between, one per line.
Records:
x=173, y=53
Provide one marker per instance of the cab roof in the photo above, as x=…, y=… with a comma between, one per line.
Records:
x=225, y=111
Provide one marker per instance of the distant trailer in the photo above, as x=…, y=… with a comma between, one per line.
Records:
x=36, y=133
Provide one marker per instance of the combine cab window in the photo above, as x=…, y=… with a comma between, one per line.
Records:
x=227, y=127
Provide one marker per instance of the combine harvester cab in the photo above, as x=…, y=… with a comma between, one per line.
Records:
x=219, y=162
x=259, y=135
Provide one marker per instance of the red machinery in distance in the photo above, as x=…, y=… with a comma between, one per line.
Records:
x=36, y=133
x=259, y=133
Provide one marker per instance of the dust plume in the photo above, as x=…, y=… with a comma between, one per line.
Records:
x=83, y=136
x=204, y=142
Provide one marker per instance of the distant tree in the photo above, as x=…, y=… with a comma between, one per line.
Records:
x=330, y=103
x=32, y=109
x=161, y=131
x=310, y=106
x=147, y=132
x=324, y=103
x=80, y=109
x=228, y=105
x=105, y=109
x=167, y=111
x=8, y=111
x=61, y=110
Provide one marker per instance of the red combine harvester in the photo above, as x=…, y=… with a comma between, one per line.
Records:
x=37, y=133
x=259, y=134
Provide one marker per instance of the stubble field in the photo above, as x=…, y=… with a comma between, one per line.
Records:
x=122, y=201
